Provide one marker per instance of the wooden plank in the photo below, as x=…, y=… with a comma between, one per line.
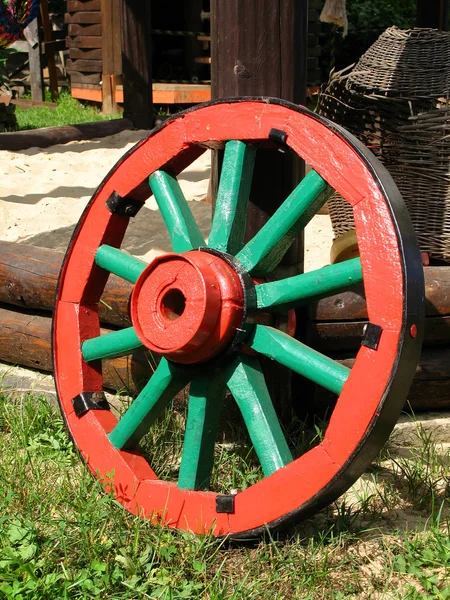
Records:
x=88, y=41
x=77, y=29
x=87, y=18
x=25, y=103
x=34, y=53
x=95, y=54
x=86, y=66
x=77, y=77
x=76, y=5
x=351, y=306
x=137, y=63
x=84, y=89
x=181, y=97
x=93, y=93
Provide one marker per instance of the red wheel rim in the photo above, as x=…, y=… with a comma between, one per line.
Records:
x=393, y=282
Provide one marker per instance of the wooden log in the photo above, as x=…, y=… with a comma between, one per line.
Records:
x=85, y=79
x=29, y=275
x=94, y=54
x=351, y=306
x=94, y=66
x=87, y=18
x=345, y=336
x=25, y=339
x=84, y=41
x=74, y=6
x=48, y=136
x=430, y=389
x=79, y=29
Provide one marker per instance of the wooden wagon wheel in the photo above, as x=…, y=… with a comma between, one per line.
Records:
x=196, y=308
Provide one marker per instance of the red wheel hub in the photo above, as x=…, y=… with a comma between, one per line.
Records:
x=187, y=307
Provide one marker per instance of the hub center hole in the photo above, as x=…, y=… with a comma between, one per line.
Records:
x=173, y=304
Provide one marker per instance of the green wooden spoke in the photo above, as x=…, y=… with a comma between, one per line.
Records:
x=295, y=291
x=300, y=358
x=246, y=382
x=164, y=385
x=111, y=345
x=118, y=262
x=205, y=403
x=180, y=223
x=228, y=226
x=265, y=250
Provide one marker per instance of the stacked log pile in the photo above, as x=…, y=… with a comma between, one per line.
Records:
x=28, y=281
x=84, y=21
x=337, y=324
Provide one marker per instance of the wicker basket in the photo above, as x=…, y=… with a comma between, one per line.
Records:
x=396, y=101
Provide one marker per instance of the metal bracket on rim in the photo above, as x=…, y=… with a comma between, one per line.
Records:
x=372, y=334
x=87, y=401
x=225, y=504
x=124, y=206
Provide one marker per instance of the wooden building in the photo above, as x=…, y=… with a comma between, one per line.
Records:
x=180, y=50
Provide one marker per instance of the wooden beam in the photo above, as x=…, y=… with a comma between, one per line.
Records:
x=433, y=13
x=137, y=63
x=259, y=48
x=34, y=53
x=111, y=54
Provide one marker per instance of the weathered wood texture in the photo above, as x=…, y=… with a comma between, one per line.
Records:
x=351, y=306
x=111, y=66
x=25, y=339
x=28, y=278
x=48, y=136
x=35, y=58
x=430, y=389
x=86, y=18
x=260, y=49
x=74, y=6
x=29, y=275
x=137, y=63
x=343, y=336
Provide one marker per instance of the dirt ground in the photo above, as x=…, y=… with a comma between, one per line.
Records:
x=44, y=191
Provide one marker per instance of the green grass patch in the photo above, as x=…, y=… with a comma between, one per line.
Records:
x=68, y=112
x=62, y=537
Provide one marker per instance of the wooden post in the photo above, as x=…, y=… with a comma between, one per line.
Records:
x=137, y=63
x=111, y=54
x=49, y=52
x=433, y=13
x=34, y=54
x=259, y=49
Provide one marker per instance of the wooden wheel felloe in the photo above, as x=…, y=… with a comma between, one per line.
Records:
x=198, y=309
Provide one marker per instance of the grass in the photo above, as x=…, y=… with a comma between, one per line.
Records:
x=62, y=537
x=68, y=112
